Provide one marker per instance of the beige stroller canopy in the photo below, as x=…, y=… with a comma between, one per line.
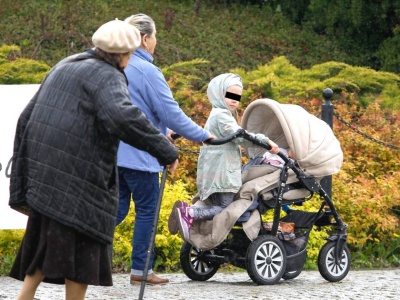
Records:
x=316, y=148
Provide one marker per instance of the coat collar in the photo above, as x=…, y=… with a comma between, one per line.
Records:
x=143, y=54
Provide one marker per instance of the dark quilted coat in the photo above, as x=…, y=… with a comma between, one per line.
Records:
x=64, y=162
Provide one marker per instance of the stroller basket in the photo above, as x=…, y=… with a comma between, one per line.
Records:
x=301, y=219
x=296, y=249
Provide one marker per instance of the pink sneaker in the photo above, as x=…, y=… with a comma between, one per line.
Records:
x=185, y=221
x=173, y=220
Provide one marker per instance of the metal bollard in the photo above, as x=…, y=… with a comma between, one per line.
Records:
x=327, y=116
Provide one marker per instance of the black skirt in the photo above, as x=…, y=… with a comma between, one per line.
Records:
x=61, y=252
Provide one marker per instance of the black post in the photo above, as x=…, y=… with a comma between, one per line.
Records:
x=327, y=116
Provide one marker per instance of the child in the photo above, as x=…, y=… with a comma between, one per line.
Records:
x=276, y=160
x=219, y=167
x=273, y=160
x=269, y=159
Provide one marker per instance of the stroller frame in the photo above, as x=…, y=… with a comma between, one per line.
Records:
x=265, y=258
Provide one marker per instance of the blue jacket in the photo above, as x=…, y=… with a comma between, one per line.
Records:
x=150, y=92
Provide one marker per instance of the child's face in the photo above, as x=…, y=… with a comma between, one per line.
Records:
x=233, y=104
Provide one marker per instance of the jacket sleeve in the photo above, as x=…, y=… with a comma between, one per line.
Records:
x=226, y=125
x=125, y=121
x=168, y=111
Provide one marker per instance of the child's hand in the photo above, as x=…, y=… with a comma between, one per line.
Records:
x=274, y=147
x=291, y=154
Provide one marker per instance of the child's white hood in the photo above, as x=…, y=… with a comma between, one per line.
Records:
x=217, y=88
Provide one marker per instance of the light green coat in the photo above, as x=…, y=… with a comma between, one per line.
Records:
x=219, y=167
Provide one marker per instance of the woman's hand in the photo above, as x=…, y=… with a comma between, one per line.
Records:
x=169, y=136
x=172, y=167
x=210, y=137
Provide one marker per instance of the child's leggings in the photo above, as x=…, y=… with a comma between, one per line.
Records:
x=219, y=200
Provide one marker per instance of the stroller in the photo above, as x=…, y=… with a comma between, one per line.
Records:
x=238, y=235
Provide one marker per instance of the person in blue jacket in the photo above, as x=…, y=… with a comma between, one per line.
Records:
x=139, y=171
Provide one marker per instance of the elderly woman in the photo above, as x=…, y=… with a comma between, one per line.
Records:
x=64, y=164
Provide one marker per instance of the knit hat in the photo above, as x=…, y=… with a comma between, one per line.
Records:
x=117, y=37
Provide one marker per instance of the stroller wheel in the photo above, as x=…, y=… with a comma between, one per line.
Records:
x=195, y=264
x=291, y=274
x=266, y=260
x=329, y=269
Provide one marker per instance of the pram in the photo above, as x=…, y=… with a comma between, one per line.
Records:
x=264, y=252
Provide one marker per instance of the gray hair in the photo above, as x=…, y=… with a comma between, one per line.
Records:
x=143, y=23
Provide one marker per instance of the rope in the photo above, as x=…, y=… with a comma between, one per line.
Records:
x=364, y=134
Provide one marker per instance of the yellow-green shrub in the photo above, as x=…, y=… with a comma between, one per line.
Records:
x=14, y=70
x=366, y=190
x=281, y=80
x=10, y=241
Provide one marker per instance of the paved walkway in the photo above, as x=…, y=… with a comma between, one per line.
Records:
x=376, y=284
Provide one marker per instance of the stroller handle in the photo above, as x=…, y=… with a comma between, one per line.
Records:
x=240, y=133
x=175, y=136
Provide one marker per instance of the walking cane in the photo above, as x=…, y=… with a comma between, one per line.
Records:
x=153, y=232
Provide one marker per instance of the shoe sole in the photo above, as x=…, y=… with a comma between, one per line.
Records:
x=134, y=282
x=173, y=220
x=183, y=230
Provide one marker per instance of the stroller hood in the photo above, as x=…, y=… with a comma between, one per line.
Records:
x=315, y=147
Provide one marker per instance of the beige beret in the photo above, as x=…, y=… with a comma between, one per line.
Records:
x=117, y=37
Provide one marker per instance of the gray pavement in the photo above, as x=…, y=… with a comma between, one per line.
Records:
x=370, y=284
